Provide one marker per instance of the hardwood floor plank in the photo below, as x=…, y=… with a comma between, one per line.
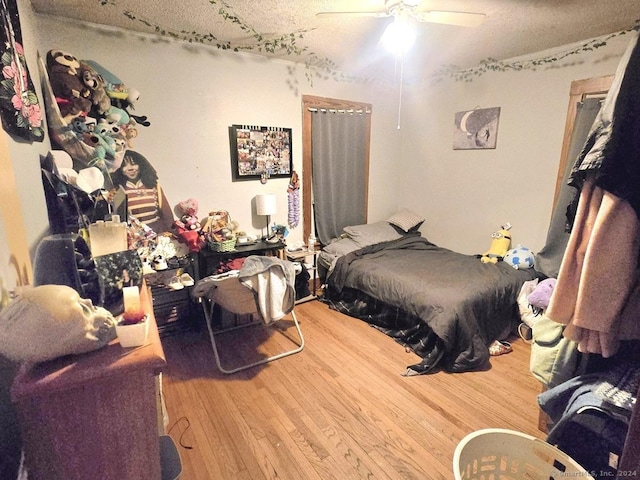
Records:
x=340, y=409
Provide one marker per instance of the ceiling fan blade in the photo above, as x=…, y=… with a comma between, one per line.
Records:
x=353, y=14
x=461, y=19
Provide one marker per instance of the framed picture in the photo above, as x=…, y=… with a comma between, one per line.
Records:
x=476, y=129
x=258, y=153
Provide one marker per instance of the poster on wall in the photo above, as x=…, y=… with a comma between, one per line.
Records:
x=476, y=129
x=19, y=105
x=258, y=153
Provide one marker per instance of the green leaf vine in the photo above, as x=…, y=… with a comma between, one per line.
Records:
x=492, y=65
x=287, y=44
x=319, y=67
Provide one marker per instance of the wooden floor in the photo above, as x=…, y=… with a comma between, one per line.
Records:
x=340, y=409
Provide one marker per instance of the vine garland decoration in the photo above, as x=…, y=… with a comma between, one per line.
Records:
x=322, y=67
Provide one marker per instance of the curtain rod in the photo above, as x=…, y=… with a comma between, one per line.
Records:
x=349, y=111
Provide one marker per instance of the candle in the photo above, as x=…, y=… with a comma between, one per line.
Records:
x=133, y=311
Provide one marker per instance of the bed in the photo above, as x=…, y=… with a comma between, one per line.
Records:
x=445, y=306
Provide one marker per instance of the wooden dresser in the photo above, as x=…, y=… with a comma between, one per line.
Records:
x=95, y=415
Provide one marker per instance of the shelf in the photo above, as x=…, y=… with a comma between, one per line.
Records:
x=301, y=256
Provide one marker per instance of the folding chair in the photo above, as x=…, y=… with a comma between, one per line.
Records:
x=238, y=299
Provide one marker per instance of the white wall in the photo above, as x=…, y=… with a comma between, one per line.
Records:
x=466, y=195
x=192, y=94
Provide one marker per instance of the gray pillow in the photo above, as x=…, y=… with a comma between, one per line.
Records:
x=341, y=247
x=406, y=220
x=372, y=233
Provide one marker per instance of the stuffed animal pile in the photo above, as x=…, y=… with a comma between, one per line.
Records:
x=219, y=227
x=95, y=126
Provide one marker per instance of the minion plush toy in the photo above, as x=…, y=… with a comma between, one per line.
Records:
x=500, y=243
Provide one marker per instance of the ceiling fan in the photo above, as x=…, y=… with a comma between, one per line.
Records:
x=410, y=9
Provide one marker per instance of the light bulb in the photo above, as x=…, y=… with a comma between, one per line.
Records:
x=399, y=36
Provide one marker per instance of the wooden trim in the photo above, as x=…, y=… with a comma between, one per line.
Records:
x=311, y=102
x=580, y=89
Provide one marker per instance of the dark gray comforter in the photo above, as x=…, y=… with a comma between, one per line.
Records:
x=465, y=302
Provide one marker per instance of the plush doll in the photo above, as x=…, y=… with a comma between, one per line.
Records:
x=539, y=298
x=519, y=258
x=72, y=96
x=120, y=94
x=188, y=226
x=94, y=82
x=499, y=245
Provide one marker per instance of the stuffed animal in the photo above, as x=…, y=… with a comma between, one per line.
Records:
x=519, y=258
x=121, y=95
x=541, y=295
x=188, y=226
x=72, y=96
x=94, y=82
x=499, y=245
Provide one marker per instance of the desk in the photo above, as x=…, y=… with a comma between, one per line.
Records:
x=94, y=415
x=210, y=262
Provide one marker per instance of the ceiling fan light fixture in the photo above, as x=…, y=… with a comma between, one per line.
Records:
x=399, y=36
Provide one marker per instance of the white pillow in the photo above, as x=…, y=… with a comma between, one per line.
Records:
x=406, y=220
x=50, y=321
x=371, y=233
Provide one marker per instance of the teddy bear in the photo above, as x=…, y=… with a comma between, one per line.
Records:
x=72, y=96
x=94, y=82
x=188, y=226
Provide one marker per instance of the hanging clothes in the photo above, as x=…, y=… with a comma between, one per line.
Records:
x=596, y=295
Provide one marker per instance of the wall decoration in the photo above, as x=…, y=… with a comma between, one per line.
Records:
x=19, y=106
x=476, y=129
x=259, y=153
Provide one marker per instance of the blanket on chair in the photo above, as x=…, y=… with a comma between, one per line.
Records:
x=273, y=283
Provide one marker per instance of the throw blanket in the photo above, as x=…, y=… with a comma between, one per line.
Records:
x=273, y=283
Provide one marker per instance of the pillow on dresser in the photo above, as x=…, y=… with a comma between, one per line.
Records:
x=50, y=321
x=406, y=220
x=371, y=233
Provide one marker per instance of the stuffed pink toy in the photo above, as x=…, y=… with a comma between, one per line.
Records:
x=541, y=295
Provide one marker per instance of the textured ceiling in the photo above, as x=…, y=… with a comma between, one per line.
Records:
x=512, y=27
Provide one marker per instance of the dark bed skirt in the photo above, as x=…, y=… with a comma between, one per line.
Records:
x=405, y=329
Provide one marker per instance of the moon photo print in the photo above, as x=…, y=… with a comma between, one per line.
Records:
x=476, y=129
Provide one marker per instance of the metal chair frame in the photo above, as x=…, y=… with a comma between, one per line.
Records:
x=208, y=306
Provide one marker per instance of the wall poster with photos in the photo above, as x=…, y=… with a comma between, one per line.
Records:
x=258, y=153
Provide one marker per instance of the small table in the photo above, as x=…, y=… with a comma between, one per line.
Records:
x=300, y=256
x=209, y=261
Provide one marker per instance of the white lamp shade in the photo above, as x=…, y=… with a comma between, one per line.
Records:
x=266, y=204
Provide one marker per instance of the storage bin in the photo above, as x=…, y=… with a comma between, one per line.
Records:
x=495, y=453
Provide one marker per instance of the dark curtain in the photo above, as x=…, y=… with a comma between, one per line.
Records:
x=339, y=170
x=548, y=259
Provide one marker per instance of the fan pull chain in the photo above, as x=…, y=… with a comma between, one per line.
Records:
x=400, y=92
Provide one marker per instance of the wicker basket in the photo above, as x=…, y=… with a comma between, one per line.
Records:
x=225, y=246
x=496, y=453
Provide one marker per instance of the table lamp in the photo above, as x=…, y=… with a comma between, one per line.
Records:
x=266, y=205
